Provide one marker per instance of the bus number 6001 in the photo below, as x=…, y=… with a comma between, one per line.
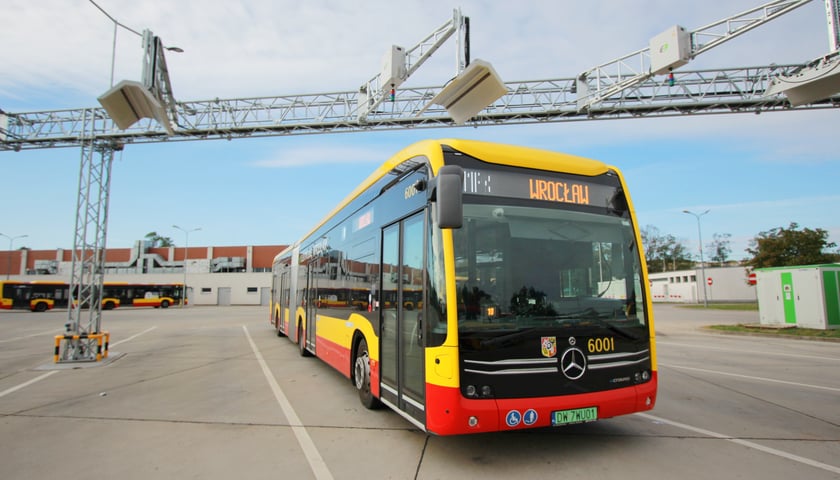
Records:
x=601, y=345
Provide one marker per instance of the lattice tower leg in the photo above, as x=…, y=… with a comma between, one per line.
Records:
x=88, y=266
x=832, y=11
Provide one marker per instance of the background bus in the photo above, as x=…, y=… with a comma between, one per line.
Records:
x=505, y=289
x=155, y=295
x=35, y=296
x=40, y=296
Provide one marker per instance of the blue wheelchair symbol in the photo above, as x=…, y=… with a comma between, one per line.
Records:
x=513, y=418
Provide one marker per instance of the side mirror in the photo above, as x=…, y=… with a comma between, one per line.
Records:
x=448, y=190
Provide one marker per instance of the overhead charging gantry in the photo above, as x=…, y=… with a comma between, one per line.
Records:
x=645, y=83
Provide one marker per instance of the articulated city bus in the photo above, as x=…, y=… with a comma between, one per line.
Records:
x=116, y=294
x=40, y=296
x=478, y=287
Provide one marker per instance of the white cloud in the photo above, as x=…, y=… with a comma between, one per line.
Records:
x=309, y=157
x=270, y=47
x=786, y=203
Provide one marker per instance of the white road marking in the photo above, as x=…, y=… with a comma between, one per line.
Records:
x=26, y=384
x=751, y=377
x=39, y=378
x=740, y=350
x=133, y=336
x=316, y=463
x=745, y=443
x=53, y=331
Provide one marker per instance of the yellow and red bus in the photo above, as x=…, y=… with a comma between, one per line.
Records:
x=494, y=288
x=162, y=295
x=40, y=296
x=37, y=296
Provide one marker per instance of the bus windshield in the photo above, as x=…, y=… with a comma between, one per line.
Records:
x=523, y=267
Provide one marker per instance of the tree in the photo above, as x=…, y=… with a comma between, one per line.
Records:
x=158, y=241
x=651, y=238
x=678, y=253
x=663, y=251
x=784, y=247
x=719, y=248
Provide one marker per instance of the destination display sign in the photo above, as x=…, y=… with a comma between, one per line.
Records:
x=531, y=186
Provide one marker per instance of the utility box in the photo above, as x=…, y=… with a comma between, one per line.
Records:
x=807, y=296
x=669, y=50
x=394, y=71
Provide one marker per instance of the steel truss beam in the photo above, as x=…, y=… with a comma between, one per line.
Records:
x=537, y=101
x=374, y=91
x=608, y=79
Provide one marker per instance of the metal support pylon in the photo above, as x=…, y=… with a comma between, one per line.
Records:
x=832, y=11
x=83, y=339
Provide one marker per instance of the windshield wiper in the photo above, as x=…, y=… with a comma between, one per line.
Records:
x=593, y=315
x=497, y=342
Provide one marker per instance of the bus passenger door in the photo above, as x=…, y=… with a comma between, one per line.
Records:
x=280, y=301
x=401, y=301
x=285, y=308
x=311, y=307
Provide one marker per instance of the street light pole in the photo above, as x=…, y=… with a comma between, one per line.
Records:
x=186, y=252
x=702, y=263
x=11, y=240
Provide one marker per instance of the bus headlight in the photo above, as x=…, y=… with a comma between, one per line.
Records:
x=641, y=377
x=473, y=391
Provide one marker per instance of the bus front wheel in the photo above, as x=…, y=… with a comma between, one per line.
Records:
x=361, y=375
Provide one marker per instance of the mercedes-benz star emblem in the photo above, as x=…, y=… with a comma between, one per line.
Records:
x=573, y=363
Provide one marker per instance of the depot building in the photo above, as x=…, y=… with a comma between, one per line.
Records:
x=238, y=275
x=711, y=284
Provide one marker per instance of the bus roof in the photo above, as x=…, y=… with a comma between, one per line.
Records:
x=491, y=152
x=527, y=157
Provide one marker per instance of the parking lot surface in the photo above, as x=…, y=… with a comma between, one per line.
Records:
x=211, y=392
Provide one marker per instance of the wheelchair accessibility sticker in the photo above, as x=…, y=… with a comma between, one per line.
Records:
x=513, y=418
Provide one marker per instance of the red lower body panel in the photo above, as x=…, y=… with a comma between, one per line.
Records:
x=449, y=413
x=334, y=354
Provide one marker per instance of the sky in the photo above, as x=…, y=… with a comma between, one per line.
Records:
x=752, y=172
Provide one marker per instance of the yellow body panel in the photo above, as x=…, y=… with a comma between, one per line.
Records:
x=340, y=332
x=645, y=283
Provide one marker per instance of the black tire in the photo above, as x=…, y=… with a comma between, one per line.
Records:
x=301, y=338
x=361, y=376
x=108, y=306
x=164, y=304
x=278, y=324
x=41, y=307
